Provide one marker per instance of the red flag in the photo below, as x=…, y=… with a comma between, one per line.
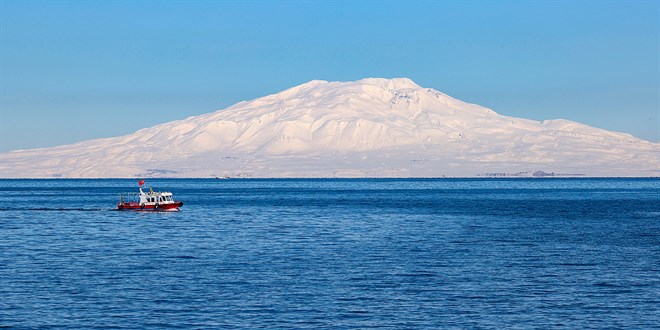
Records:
x=141, y=183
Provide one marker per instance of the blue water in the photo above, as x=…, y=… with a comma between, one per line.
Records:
x=399, y=254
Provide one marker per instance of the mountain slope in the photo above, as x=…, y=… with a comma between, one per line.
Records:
x=371, y=127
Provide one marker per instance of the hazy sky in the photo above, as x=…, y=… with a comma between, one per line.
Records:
x=75, y=70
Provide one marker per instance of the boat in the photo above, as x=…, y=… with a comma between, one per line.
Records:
x=148, y=201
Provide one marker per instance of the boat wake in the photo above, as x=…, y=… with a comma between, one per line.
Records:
x=58, y=209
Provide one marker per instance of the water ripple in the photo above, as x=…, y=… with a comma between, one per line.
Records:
x=333, y=254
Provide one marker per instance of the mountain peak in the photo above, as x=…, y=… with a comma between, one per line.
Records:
x=393, y=83
x=373, y=127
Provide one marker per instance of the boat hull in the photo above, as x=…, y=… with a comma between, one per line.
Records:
x=166, y=207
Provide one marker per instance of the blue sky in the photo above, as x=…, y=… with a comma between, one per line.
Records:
x=76, y=70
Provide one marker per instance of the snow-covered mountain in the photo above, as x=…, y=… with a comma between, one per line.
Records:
x=367, y=128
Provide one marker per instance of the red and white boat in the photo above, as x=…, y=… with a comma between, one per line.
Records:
x=148, y=201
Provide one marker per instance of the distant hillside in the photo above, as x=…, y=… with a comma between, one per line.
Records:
x=367, y=128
